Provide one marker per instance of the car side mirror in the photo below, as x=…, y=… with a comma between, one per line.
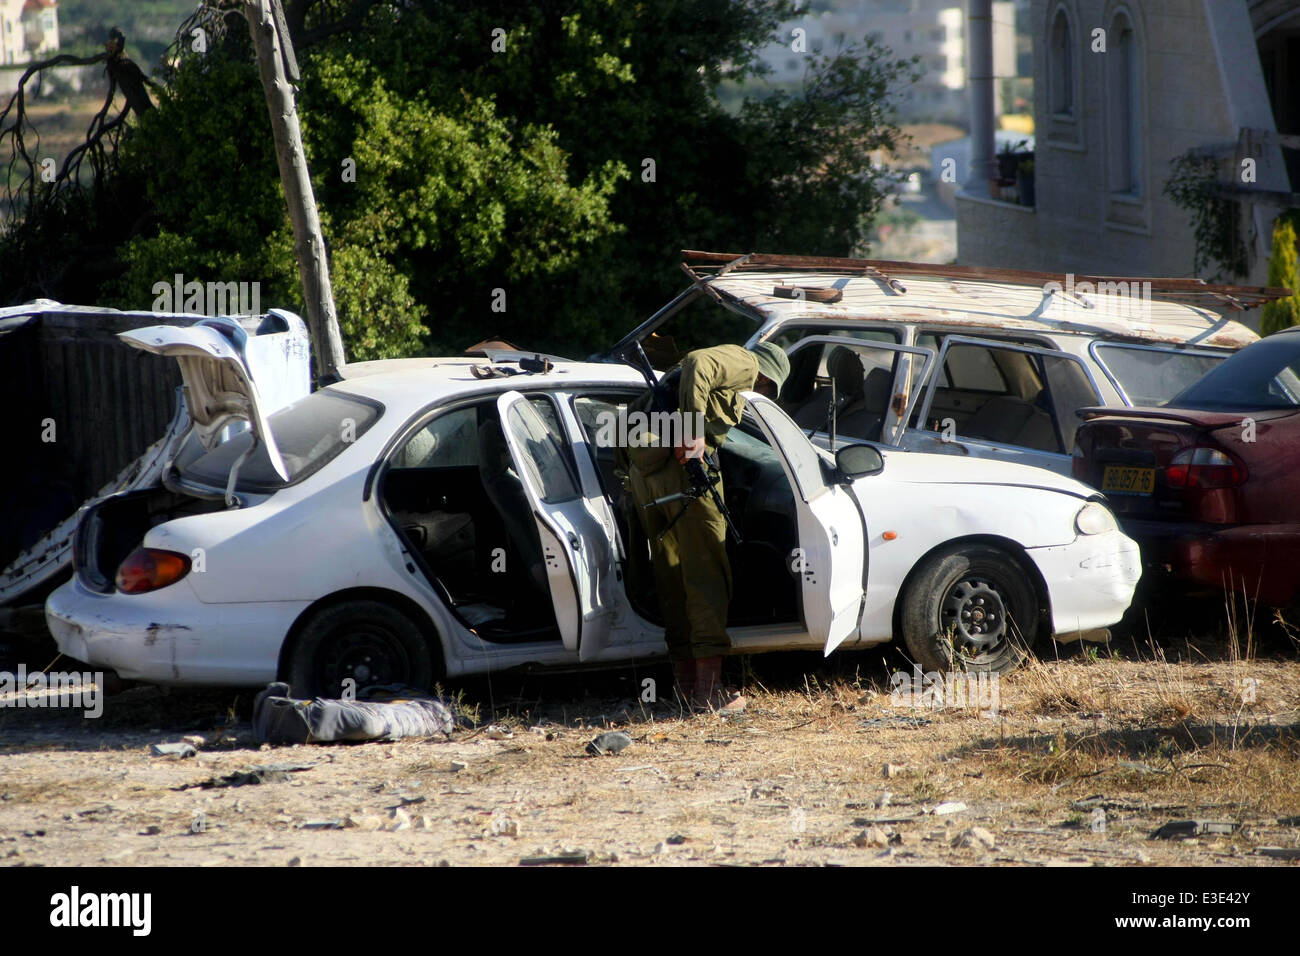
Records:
x=856, y=461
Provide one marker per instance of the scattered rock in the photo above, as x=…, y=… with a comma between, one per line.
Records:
x=676, y=840
x=497, y=732
x=179, y=750
x=150, y=831
x=944, y=809
x=871, y=836
x=319, y=824
x=365, y=822
x=736, y=705
x=400, y=820
x=975, y=836
x=883, y=800
x=502, y=825
x=296, y=861
x=610, y=742
x=457, y=766
x=196, y=741
x=890, y=771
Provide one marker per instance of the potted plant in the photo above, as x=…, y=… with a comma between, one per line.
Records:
x=1008, y=161
x=1025, y=180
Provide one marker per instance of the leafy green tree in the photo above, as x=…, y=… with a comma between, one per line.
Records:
x=1284, y=271
x=560, y=152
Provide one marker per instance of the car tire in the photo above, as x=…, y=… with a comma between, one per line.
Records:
x=370, y=642
x=969, y=608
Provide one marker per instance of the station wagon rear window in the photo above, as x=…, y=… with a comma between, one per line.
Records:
x=309, y=433
x=1152, y=376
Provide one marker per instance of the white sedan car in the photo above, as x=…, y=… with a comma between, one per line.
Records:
x=416, y=521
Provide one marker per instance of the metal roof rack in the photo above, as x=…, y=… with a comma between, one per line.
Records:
x=705, y=265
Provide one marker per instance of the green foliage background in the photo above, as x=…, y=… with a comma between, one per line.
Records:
x=475, y=170
x=1283, y=271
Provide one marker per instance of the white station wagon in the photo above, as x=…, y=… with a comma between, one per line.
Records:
x=417, y=520
x=962, y=360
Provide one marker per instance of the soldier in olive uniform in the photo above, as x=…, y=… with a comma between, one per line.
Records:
x=691, y=571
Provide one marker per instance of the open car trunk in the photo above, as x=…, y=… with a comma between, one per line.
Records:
x=265, y=359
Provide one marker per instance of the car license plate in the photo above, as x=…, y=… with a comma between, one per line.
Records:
x=1124, y=480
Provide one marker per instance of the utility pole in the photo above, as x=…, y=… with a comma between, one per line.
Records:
x=279, y=68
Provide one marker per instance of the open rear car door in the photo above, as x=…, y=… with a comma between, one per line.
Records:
x=578, y=553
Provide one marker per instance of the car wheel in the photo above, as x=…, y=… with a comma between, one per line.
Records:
x=368, y=642
x=970, y=608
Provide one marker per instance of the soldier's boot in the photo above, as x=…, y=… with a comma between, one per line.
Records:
x=709, y=691
x=684, y=679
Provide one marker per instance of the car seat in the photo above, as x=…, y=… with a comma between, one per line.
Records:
x=845, y=369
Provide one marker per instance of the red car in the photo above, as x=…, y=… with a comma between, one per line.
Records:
x=1209, y=483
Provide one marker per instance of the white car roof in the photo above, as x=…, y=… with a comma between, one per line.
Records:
x=405, y=386
x=1172, y=311
x=979, y=305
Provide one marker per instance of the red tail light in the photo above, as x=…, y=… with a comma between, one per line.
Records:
x=148, y=569
x=1204, y=468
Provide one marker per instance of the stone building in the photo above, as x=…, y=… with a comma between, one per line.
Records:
x=1121, y=89
x=28, y=29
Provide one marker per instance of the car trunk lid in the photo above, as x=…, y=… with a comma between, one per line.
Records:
x=218, y=380
x=1164, y=463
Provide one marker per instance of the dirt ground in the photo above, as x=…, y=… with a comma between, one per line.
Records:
x=1086, y=758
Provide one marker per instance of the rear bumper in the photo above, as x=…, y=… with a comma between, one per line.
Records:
x=1264, y=559
x=1090, y=581
x=170, y=637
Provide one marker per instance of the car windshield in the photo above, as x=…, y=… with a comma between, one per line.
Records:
x=1152, y=376
x=1261, y=376
x=308, y=433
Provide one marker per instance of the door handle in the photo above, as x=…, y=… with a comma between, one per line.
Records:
x=574, y=541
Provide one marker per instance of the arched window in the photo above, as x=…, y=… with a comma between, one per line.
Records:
x=1124, y=108
x=1061, y=65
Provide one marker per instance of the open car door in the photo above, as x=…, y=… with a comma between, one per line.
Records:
x=578, y=553
x=832, y=543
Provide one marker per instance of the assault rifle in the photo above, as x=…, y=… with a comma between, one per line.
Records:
x=701, y=482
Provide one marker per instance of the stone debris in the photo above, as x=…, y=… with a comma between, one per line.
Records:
x=975, y=837
x=177, y=750
x=610, y=742
x=871, y=836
